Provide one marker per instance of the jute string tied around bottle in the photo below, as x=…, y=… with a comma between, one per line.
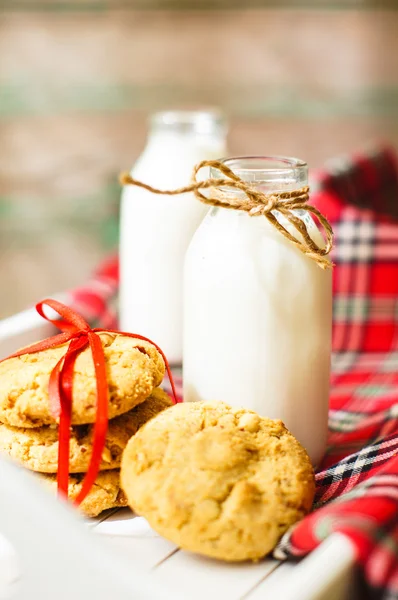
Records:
x=255, y=203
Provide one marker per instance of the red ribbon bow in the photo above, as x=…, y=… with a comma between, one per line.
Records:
x=80, y=335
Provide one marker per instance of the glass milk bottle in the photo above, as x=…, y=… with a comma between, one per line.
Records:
x=156, y=230
x=257, y=311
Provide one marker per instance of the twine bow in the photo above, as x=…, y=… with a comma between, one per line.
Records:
x=81, y=336
x=255, y=203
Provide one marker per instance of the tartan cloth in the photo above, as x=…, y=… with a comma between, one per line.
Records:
x=357, y=483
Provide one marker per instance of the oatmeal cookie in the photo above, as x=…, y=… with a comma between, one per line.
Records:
x=37, y=449
x=134, y=369
x=105, y=493
x=217, y=480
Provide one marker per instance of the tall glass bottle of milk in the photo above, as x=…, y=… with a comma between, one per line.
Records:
x=156, y=230
x=258, y=312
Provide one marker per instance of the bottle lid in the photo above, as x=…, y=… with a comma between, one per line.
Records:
x=204, y=122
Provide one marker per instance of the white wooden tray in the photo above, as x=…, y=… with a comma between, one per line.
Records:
x=118, y=556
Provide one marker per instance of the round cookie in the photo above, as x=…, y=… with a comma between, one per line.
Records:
x=106, y=492
x=218, y=480
x=37, y=449
x=134, y=369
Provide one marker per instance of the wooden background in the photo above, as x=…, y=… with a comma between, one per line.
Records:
x=77, y=80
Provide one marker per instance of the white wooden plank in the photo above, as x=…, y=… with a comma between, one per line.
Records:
x=92, y=522
x=123, y=522
x=144, y=553
x=199, y=578
x=276, y=578
x=34, y=522
x=326, y=574
x=133, y=537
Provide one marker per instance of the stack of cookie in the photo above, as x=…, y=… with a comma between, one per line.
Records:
x=29, y=433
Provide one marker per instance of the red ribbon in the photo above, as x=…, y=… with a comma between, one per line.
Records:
x=80, y=335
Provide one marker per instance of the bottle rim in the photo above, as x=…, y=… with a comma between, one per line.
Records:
x=271, y=171
x=198, y=121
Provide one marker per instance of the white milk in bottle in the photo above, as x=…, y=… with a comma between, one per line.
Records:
x=155, y=230
x=258, y=311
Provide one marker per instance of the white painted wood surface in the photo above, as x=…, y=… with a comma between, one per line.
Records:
x=55, y=554
x=119, y=556
x=58, y=557
x=24, y=328
x=327, y=574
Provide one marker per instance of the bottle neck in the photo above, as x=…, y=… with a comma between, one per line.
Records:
x=187, y=131
x=169, y=141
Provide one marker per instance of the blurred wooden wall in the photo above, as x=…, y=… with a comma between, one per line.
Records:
x=78, y=79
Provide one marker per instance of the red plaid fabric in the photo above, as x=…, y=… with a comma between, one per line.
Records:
x=96, y=301
x=357, y=484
